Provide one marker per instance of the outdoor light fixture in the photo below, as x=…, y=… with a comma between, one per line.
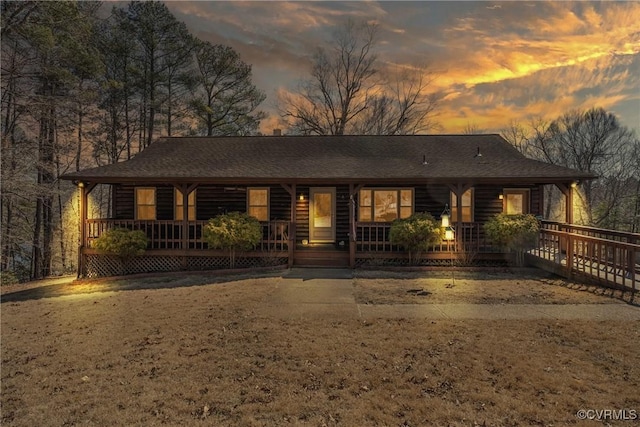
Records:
x=574, y=184
x=501, y=196
x=449, y=236
x=445, y=217
x=80, y=184
x=301, y=196
x=448, y=233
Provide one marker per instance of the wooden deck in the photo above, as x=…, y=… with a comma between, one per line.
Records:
x=610, y=258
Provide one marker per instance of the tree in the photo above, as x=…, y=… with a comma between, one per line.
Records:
x=591, y=141
x=416, y=234
x=403, y=106
x=348, y=92
x=165, y=46
x=114, y=38
x=234, y=231
x=46, y=43
x=342, y=79
x=225, y=100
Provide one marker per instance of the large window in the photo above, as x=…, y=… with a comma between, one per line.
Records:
x=466, y=207
x=385, y=205
x=515, y=201
x=145, y=203
x=258, y=203
x=179, y=209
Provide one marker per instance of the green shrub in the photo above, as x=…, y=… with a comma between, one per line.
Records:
x=416, y=234
x=122, y=243
x=515, y=233
x=234, y=231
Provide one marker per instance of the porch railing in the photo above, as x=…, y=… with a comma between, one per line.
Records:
x=608, y=256
x=168, y=234
x=374, y=237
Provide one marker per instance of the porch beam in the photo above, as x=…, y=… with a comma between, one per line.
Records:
x=291, y=189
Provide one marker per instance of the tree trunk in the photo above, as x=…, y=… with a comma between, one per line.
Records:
x=79, y=146
x=63, y=252
x=152, y=101
x=169, y=95
x=36, y=250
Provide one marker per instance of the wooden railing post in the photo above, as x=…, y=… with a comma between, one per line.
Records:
x=631, y=265
x=569, y=255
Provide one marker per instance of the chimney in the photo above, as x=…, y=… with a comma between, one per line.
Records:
x=277, y=132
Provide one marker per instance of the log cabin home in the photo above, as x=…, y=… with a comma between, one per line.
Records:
x=322, y=200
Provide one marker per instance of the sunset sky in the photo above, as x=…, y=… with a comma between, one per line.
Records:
x=496, y=61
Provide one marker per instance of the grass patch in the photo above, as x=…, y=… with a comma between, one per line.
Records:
x=211, y=355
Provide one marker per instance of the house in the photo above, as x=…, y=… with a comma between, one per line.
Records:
x=321, y=199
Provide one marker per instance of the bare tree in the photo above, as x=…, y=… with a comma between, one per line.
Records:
x=404, y=105
x=341, y=83
x=472, y=129
x=518, y=136
x=591, y=141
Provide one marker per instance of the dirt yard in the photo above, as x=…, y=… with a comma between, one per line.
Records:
x=174, y=350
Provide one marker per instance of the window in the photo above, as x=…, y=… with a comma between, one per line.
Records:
x=145, y=203
x=385, y=205
x=258, y=203
x=191, y=200
x=467, y=206
x=515, y=201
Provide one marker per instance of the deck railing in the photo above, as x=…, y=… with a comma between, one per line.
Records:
x=608, y=256
x=618, y=236
x=168, y=234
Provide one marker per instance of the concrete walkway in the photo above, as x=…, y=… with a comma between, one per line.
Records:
x=328, y=293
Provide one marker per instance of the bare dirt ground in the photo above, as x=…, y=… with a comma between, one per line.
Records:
x=174, y=350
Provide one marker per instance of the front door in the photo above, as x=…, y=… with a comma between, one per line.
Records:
x=322, y=214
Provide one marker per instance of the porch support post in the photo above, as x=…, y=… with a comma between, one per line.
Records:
x=185, y=190
x=541, y=200
x=291, y=245
x=459, y=189
x=567, y=190
x=85, y=189
x=292, y=228
x=352, y=228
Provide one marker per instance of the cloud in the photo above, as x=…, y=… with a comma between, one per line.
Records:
x=497, y=61
x=603, y=82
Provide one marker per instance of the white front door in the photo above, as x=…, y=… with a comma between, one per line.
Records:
x=322, y=214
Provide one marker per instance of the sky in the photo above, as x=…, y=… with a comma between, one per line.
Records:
x=495, y=62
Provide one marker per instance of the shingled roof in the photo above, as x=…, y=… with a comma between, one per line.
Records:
x=427, y=158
